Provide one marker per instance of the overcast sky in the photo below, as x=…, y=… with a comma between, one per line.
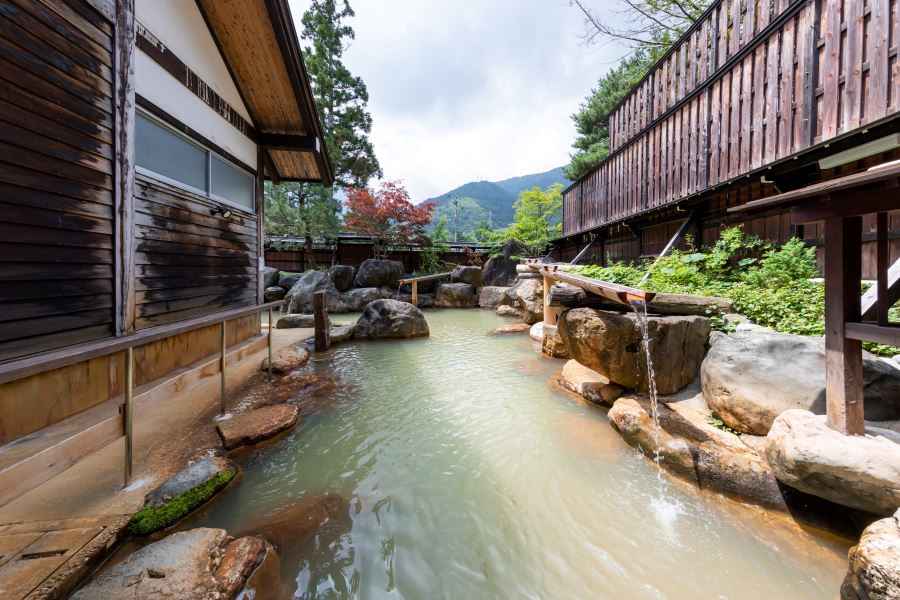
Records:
x=464, y=90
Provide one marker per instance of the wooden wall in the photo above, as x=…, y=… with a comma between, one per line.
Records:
x=56, y=201
x=189, y=262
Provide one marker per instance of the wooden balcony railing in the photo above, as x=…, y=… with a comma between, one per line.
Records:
x=753, y=82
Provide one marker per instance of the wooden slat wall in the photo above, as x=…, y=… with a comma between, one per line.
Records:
x=189, y=263
x=826, y=69
x=56, y=202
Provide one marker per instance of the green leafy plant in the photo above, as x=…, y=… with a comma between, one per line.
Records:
x=153, y=518
x=719, y=424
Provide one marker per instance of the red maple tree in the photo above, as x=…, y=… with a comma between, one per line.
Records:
x=387, y=215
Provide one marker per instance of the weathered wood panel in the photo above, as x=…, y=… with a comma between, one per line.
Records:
x=187, y=262
x=56, y=256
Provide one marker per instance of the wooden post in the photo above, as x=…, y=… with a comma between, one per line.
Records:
x=843, y=356
x=222, y=366
x=415, y=293
x=882, y=251
x=128, y=415
x=320, y=318
x=123, y=168
x=269, y=343
x=551, y=313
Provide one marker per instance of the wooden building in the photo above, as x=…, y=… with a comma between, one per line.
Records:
x=135, y=138
x=756, y=99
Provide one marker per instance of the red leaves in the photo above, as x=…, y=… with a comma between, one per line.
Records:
x=386, y=214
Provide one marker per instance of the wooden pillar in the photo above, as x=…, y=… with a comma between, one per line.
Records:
x=260, y=220
x=551, y=313
x=123, y=168
x=843, y=356
x=415, y=293
x=320, y=319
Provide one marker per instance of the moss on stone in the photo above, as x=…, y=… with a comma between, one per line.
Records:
x=153, y=518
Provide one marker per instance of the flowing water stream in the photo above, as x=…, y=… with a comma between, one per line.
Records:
x=468, y=474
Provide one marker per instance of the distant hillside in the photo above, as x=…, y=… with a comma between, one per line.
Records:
x=490, y=200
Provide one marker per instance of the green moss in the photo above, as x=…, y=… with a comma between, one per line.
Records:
x=153, y=518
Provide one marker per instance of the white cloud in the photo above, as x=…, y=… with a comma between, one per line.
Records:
x=470, y=89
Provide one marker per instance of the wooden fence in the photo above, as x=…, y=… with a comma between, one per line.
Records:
x=297, y=260
x=751, y=84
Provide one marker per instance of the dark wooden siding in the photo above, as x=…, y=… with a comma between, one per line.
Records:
x=189, y=263
x=56, y=202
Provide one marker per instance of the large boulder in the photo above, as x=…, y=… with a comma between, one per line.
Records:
x=288, y=280
x=552, y=344
x=297, y=321
x=467, y=274
x=390, y=319
x=301, y=295
x=273, y=293
x=694, y=450
x=492, y=296
x=257, y=425
x=269, y=276
x=500, y=270
x=751, y=377
x=588, y=384
x=859, y=471
x=342, y=276
x=356, y=299
x=529, y=297
x=376, y=273
x=455, y=295
x=611, y=344
x=182, y=493
x=200, y=563
x=287, y=359
x=300, y=523
x=874, y=569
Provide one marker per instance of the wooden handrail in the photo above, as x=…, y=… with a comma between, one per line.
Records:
x=424, y=278
x=621, y=294
x=63, y=357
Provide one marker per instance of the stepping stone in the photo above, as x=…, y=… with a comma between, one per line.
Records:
x=519, y=328
x=295, y=321
x=182, y=493
x=287, y=359
x=257, y=425
x=588, y=384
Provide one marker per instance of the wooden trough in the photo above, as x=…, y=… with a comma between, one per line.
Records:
x=413, y=281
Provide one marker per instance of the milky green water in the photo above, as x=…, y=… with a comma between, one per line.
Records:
x=470, y=475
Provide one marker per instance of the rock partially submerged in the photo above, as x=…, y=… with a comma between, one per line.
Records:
x=529, y=296
x=536, y=331
x=860, y=471
x=297, y=321
x=287, y=359
x=552, y=344
x=508, y=329
x=588, y=384
x=505, y=310
x=200, y=563
x=390, y=319
x=492, y=296
x=751, y=377
x=455, y=295
x=302, y=294
x=182, y=493
x=874, y=570
x=296, y=525
x=610, y=343
x=257, y=425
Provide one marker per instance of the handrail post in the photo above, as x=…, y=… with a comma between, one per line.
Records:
x=128, y=414
x=415, y=293
x=269, y=364
x=222, y=365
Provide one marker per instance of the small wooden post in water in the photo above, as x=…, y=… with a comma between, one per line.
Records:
x=551, y=313
x=320, y=320
x=415, y=293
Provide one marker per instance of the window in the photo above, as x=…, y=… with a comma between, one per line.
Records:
x=162, y=152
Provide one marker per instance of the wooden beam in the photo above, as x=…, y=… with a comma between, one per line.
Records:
x=621, y=294
x=260, y=219
x=872, y=332
x=843, y=355
x=124, y=57
x=293, y=143
x=847, y=204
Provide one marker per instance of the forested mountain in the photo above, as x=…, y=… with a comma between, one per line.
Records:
x=490, y=201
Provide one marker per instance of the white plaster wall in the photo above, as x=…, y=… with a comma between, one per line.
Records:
x=179, y=25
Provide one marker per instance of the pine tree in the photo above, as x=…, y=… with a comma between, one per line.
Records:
x=312, y=210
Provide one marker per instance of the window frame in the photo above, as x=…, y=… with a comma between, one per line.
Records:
x=207, y=193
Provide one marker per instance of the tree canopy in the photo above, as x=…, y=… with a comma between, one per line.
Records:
x=537, y=219
x=387, y=215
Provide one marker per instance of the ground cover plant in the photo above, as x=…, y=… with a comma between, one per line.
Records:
x=772, y=285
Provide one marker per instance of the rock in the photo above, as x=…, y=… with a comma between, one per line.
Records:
x=298, y=525
x=501, y=270
x=301, y=295
x=537, y=331
x=859, y=471
x=200, y=563
x=273, y=293
x=588, y=384
x=424, y=300
x=390, y=319
x=610, y=343
x=265, y=582
x=269, y=277
x=182, y=493
x=467, y=274
x=356, y=299
x=874, y=570
x=529, y=295
x=288, y=280
x=342, y=276
x=296, y=321
x=287, y=359
x=749, y=378
x=519, y=328
x=747, y=326
x=375, y=273
x=696, y=451
x=492, y=296
x=505, y=310
x=896, y=359
x=257, y=425
x=341, y=333
x=455, y=295
x=295, y=387
x=552, y=344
